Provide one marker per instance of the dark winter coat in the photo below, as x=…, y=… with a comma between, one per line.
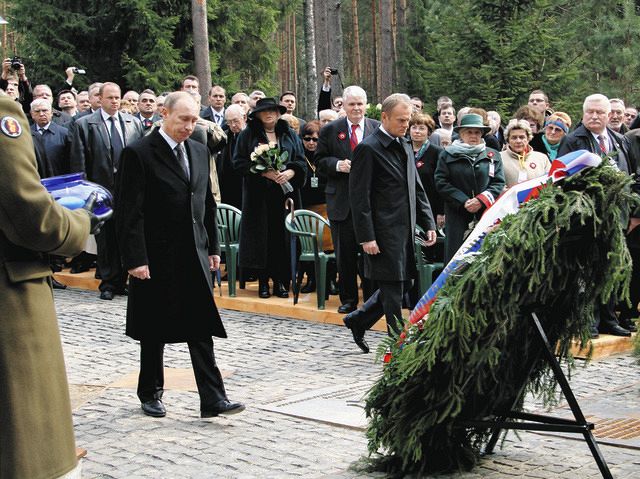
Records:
x=168, y=223
x=582, y=139
x=263, y=209
x=311, y=195
x=459, y=178
x=334, y=145
x=387, y=200
x=426, y=166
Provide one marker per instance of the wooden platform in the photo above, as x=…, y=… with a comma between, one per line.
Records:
x=306, y=309
x=247, y=300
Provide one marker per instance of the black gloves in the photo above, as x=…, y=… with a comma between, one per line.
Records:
x=96, y=220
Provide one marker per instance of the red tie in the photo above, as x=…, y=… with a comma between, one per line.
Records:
x=354, y=137
x=603, y=147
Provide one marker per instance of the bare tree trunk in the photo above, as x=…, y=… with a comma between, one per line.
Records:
x=201, y=46
x=322, y=36
x=336, y=54
x=287, y=54
x=310, y=58
x=386, y=49
x=401, y=44
x=376, y=48
x=357, y=68
x=394, y=43
x=294, y=55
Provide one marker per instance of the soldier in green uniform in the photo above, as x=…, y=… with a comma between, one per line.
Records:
x=36, y=432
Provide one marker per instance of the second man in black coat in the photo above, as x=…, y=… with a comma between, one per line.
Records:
x=387, y=200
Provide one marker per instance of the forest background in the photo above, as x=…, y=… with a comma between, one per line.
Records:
x=489, y=54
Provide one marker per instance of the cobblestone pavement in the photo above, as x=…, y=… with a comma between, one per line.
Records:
x=270, y=359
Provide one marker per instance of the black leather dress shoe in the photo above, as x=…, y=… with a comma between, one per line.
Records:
x=615, y=330
x=280, y=291
x=263, y=290
x=154, y=408
x=347, y=308
x=333, y=288
x=627, y=324
x=310, y=287
x=224, y=407
x=57, y=284
x=106, y=294
x=357, y=333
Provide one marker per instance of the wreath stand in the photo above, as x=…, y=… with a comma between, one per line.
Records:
x=537, y=422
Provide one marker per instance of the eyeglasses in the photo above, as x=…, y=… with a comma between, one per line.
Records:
x=308, y=138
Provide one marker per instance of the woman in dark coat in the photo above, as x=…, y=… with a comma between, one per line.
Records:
x=263, y=245
x=426, y=155
x=469, y=177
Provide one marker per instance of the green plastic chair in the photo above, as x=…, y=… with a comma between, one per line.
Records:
x=309, y=227
x=229, y=231
x=425, y=269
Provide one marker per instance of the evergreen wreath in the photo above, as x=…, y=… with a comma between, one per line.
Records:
x=560, y=256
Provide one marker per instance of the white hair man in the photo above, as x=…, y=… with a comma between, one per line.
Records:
x=595, y=136
x=616, y=115
x=327, y=116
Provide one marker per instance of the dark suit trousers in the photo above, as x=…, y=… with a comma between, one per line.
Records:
x=208, y=377
x=346, y=249
x=109, y=264
x=386, y=300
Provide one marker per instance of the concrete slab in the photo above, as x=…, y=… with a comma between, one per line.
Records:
x=338, y=405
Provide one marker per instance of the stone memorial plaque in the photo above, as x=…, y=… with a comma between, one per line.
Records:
x=337, y=405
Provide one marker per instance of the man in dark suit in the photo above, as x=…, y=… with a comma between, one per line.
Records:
x=147, y=109
x=215, y=111
x=166, y=219
x=337, y=141
x=387, y=200
x=53, y=140
x=595, y=136
x=97, y=141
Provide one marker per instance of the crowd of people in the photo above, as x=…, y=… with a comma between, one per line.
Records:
x=464, y=159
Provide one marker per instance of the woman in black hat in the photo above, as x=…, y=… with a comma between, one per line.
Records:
x=469, y=178
x=263, y=246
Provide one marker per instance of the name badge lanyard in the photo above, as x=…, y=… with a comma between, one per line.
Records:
x=314, y=178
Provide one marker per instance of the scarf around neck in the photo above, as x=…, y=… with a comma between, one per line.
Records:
x=460, y=148
x=551, y=149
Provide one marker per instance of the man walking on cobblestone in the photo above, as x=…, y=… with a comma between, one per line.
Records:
x=166, y=225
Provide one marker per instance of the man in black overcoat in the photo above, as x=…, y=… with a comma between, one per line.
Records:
x=387, y=200
x=166, y=223
x=337, y=141
x=594, y=135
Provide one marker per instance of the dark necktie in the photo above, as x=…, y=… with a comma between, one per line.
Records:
x=147, y=123
x=182, y=159
x=602, y=144
x=41, y=130
x=116, y=142
x=354, y=137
